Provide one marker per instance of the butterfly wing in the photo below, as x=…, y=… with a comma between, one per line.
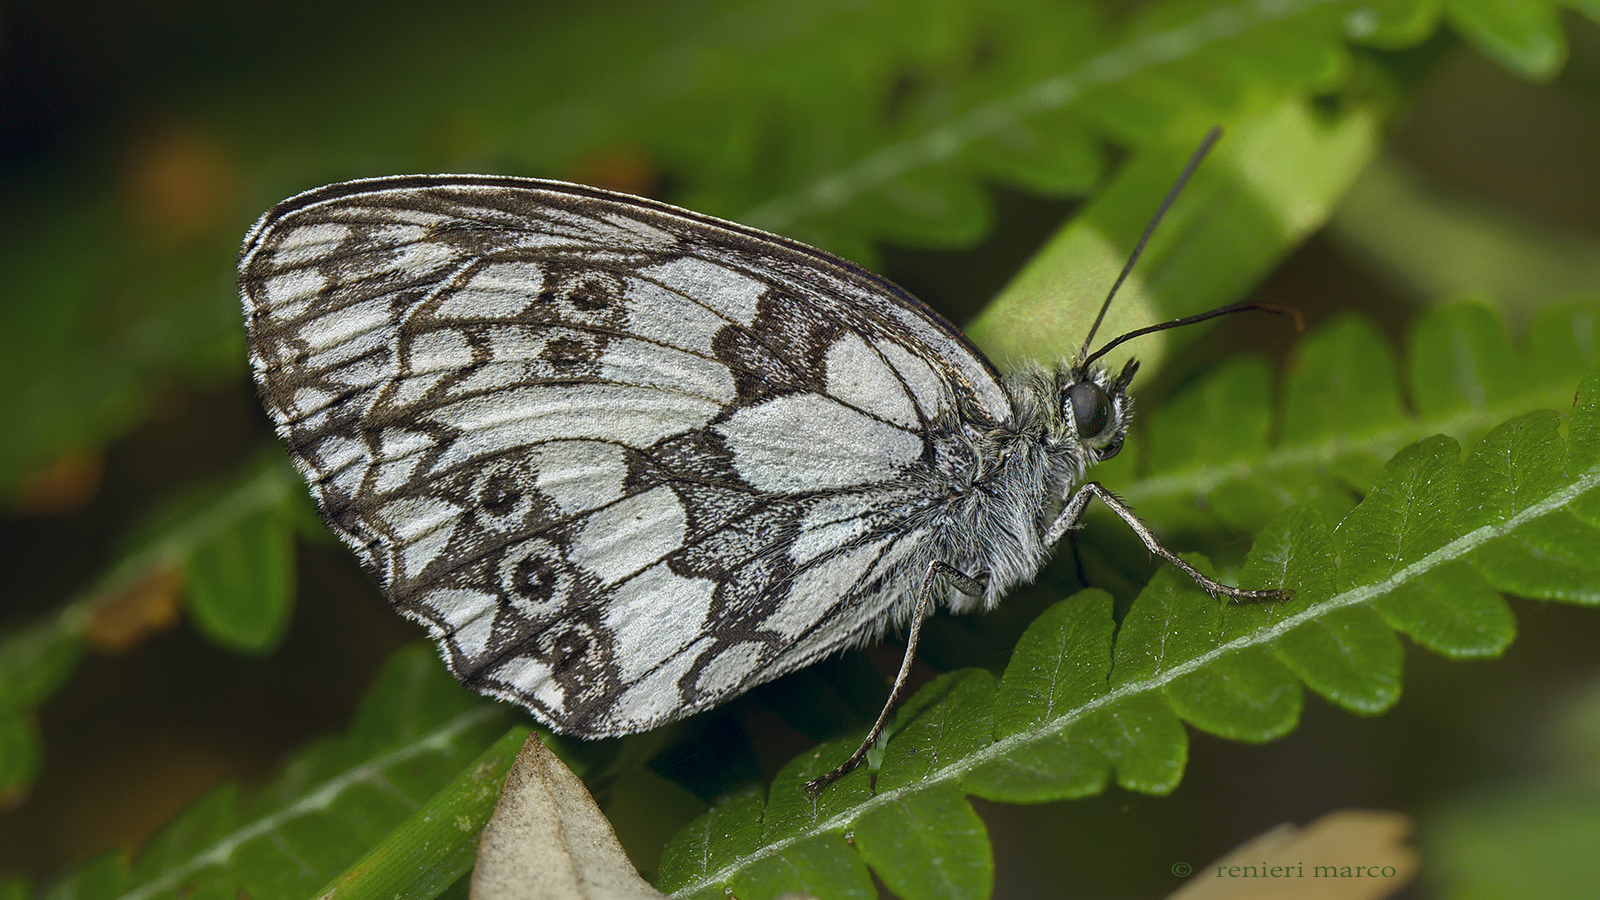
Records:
x=623, y=460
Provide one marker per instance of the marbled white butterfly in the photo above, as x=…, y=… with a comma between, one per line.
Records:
x=626, y=461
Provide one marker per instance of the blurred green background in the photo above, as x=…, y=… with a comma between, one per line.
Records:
x=141, y=140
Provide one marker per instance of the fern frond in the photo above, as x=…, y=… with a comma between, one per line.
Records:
x=1087, y=701
x=1344, y=409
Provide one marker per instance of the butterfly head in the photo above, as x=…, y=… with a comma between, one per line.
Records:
x=1092, y=404
x=1095, y=408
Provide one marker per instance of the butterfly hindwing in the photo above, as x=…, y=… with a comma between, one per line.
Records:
x=623, y=460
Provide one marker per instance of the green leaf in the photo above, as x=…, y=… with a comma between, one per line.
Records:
x=101, y=878
x=1247, y=696
x=1143, y=739
x=947, y=720
x=1452, y=611
x=21, y=753
x=1455, y=360
x=1294, y=550
x=1408, y=514
x=823, y=865
x=35, y=660
x=1516, y=840
x=203, y=824
x=927, y=207
x=1347, y=656
x=791, y=808
x=1344, y=388
x=1224, y=417
x=1551, y=558
x=240, y=584
x=1346, y=382
x=1061, y=662
x=1037, y=769
x=1542, y=546
x=1397, y=24
x=927, y=844
x=711, y=842
x=1522, y=35
x=1583, y=448
x=436, y=845
x=1169, y=626
x=1514, y=466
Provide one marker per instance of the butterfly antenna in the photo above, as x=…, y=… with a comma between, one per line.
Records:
x=1183, y=178
x=1241, y=306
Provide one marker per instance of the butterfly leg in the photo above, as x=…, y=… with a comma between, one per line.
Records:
x=1072, y=517
x=962, y=582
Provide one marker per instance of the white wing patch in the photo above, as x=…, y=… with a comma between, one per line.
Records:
x=291, y=293
x=421, y=527
x=654, y=616
x=527, y=416
x=721, y=289
x=842, y=447
x=858, y=376
x=308, y=244
x=649, y=365
x=930, y=392
x=415, y=253
x=828, y=526
x=732, y=666
x=625, y=537
x=467, y=616
x=498, y=291
x=822, y=584
x=580, y=475
x=401, y=453
x=655, y=698
x=529, y=676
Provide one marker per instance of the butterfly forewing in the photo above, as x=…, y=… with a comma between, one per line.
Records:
x=623, y=460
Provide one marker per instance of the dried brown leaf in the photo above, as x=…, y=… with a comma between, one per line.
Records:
x=548, y=840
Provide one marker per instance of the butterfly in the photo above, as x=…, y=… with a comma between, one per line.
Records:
x=625, y=461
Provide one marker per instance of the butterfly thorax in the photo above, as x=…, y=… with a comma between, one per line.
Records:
x=1021, y=471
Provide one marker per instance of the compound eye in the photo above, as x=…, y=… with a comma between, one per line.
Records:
x=1091, y=409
